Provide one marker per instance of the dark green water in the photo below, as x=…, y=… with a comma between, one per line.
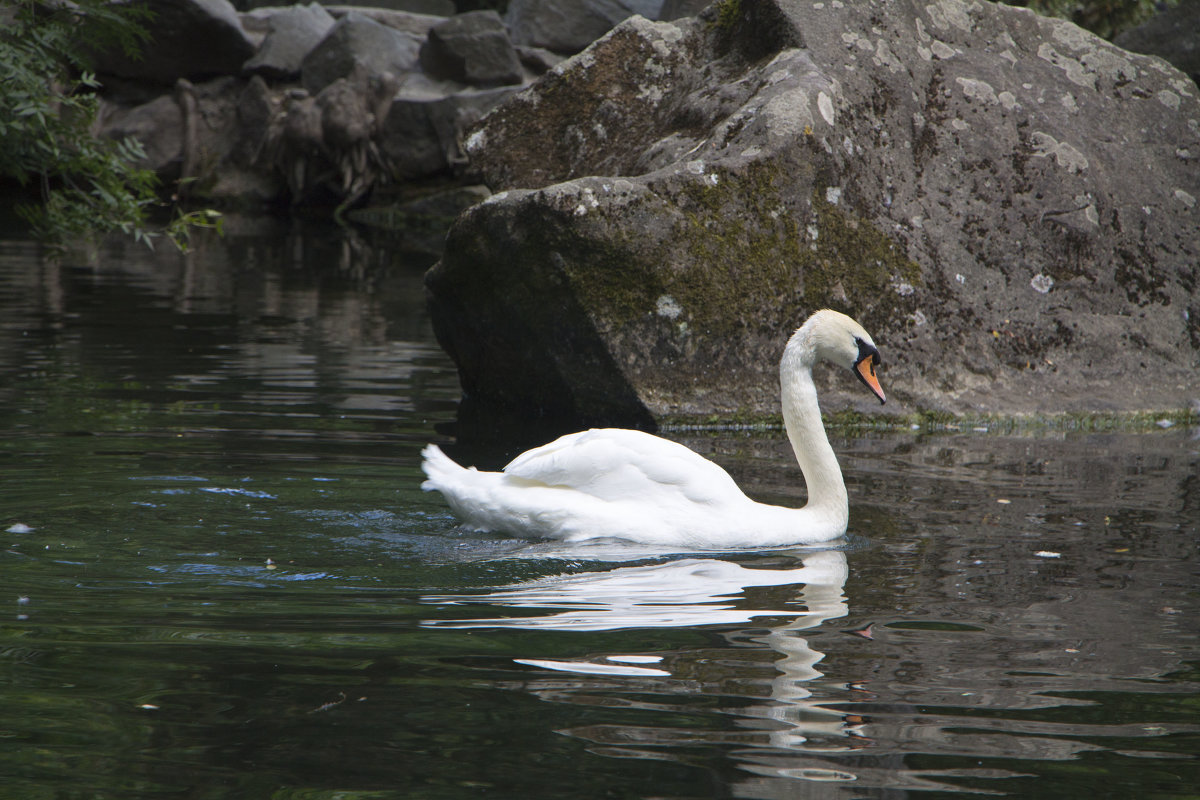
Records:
x=221, y=580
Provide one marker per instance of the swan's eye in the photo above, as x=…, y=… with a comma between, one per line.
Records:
x=865, y=352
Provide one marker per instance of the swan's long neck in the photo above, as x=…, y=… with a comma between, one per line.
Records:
x=802, y=420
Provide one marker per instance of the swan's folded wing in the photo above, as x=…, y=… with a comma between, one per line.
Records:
x=617, y=464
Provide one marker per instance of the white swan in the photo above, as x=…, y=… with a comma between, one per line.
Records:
x=625, y=484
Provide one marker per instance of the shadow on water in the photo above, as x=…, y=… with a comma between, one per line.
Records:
x=222, y=579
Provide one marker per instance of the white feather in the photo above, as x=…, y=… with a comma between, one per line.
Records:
x=625, y=484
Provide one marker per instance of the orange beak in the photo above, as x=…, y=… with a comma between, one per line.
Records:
x=866, y=371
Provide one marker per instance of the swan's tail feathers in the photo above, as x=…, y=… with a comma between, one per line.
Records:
x=440, y=470
x=467, y=491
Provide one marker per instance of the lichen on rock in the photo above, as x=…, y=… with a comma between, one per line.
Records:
x=975, y=183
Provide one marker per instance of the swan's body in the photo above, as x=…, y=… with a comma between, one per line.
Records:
x=625, y=484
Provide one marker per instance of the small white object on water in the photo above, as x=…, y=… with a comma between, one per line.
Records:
x=1165, y=423
x=1047, y=554
x=589, y=668
x=635, y=659
x=19, y=527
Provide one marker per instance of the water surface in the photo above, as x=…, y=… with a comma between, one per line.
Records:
x=222, y=580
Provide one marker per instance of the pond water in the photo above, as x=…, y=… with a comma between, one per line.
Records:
x=221, y=579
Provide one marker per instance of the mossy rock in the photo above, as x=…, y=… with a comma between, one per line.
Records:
x=675, y=200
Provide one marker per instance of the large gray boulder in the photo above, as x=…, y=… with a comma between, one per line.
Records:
x=415, y=23
x=291, y=34
x=441, y=8
x=157, y=125
x=358, y=45
x=472, y=48
x=186, y=39
x=211, y=133
x=1007, y=202
x=568, y=26
x=420, y=135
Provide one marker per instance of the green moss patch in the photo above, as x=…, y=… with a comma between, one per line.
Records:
x=751, y=253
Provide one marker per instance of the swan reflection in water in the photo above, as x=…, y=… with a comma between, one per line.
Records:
x=768, y=696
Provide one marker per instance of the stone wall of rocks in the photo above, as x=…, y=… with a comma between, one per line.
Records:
x=313, y=102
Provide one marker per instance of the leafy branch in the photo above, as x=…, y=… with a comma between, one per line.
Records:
x=87, y=185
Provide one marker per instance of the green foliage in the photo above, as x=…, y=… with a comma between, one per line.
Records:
x=1104, y=18
x=48, y=102
x=727, y=14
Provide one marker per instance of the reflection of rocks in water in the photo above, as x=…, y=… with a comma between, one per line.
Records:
x=312, y=304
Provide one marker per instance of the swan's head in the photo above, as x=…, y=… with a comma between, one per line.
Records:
x=832, y=336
